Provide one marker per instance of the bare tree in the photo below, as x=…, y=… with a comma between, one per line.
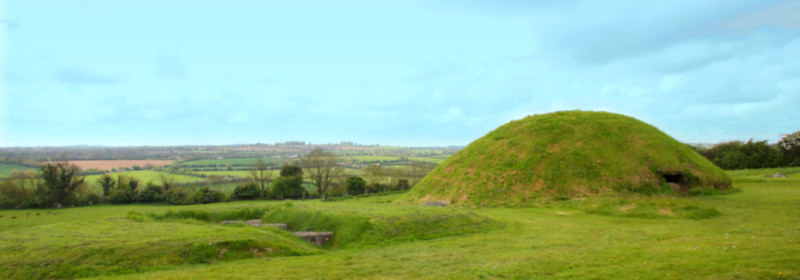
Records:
x=322, y=169
x=262, y=175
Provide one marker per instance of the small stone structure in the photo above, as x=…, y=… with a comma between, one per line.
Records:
x=435, y=203
x=777, y=175
x=318, y=238
x=255, y=223
x=280, y=226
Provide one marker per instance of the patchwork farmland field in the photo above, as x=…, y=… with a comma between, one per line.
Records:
x=148, y=175
x=232, y=161
x=236, y=173
x=110, y=164
x=5, y=169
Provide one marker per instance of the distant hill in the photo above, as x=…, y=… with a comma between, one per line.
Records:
x=567, y=154
x=701, y=145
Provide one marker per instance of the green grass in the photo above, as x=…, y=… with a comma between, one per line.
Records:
x=223, y=162
x=5, y=169
x=564, y=155
x=246, y=174
x=235, y=173
x=148, y=175
x=91, y=241
x=369, y=158
x=426, y=159
x=115, y=240
x=753, y=235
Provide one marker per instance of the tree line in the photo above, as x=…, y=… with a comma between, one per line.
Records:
x=61, y=184
x=324, y=172
x=755, y=154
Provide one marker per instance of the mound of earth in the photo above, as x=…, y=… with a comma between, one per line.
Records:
x=565, y=155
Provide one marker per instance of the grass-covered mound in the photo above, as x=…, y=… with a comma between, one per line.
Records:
x=566, y=155
x=38, y=245
x=356, y=225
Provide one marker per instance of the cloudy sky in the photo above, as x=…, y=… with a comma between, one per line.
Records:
x=412, y=73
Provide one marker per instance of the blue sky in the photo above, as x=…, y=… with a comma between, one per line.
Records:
x=411, y=73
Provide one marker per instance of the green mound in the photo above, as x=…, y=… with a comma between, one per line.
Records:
x=363, y=226
x=116, y=246
x=565, y=155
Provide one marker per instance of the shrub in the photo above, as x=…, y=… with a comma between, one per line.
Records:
x=288, y=187
x=355, y=185
x=205, y=195
x=246, y=191
x=6, y=202
x=151, y=193
x=91, y=199
x=122, y=195
x=402, y=184
x=179, y=196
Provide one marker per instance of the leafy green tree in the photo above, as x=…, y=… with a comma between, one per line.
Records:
x=60, y=181
x=126, y=190
x=402, y=184
x=151, y=193
x=123, y=194
x=288, y=187
x=322, y=168
x=167, y=181
x=790, y=148
x=246, y=191
x=206, y=195
x=355, y=185
x=10, y=195
x=290, y=183
x=133, y=182
x=741, y=155
x=291, y=170
x=107, y=183
x=179, y=195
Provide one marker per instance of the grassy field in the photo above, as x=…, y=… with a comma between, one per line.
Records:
x=753, y=235
x=112, y=164
x=223, y=162
x=236, y=173
x=277, y=161
x=275, y=173
x=148, y=175
x=5, y=169
x=390, y=158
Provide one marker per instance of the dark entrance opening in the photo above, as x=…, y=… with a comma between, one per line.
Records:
x=675, y=181
x=672, y=178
